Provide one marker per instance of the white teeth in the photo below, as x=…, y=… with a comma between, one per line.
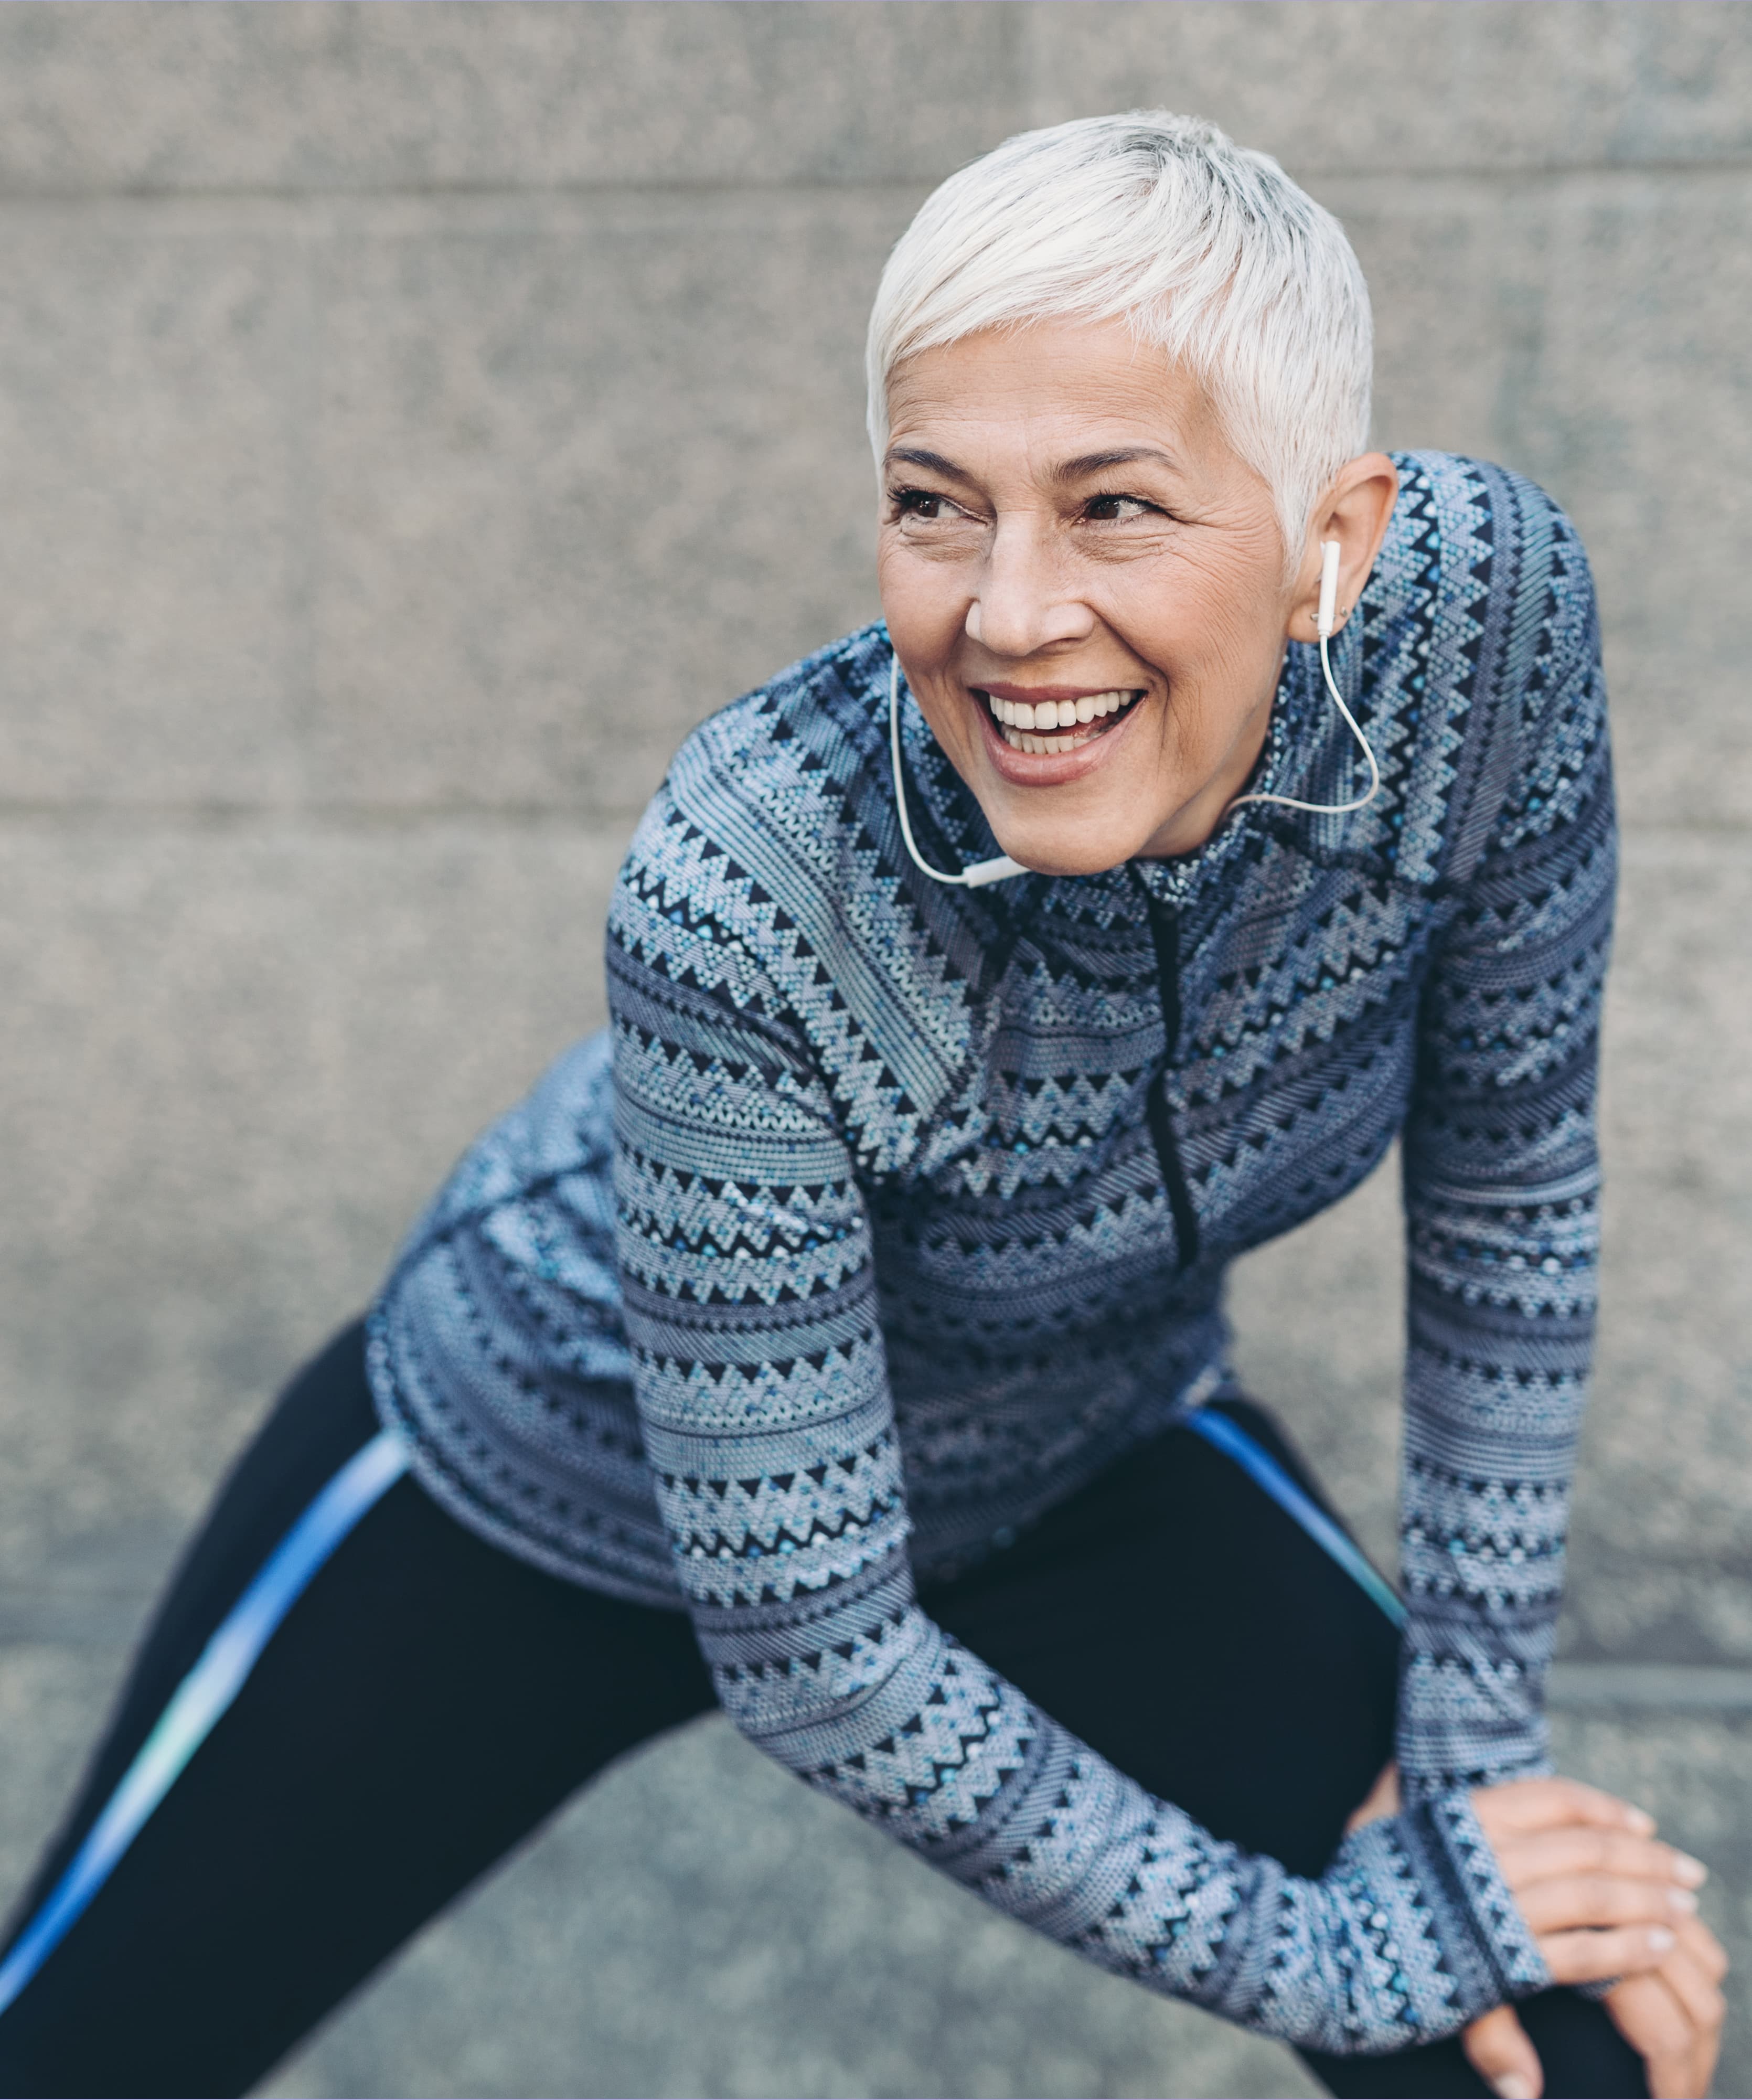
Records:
x=1021, y=740
x=1019, y=717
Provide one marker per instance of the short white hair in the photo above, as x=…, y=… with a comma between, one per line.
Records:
x=1207, y=251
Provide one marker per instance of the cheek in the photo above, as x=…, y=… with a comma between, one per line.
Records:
x=929, y=584
x=1223, y=630
x=924, y=620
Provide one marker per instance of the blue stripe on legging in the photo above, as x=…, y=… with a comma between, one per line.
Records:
x=203, y=1696
x=207, y=1692
x=1259, y=1467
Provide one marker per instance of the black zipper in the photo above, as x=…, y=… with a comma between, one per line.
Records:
x=1165, y=936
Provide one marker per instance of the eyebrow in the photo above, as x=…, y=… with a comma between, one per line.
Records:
x=914, y=456
x=1074, y=469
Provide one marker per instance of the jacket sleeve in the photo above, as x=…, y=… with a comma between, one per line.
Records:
x=1501, y=1201
x=750, y=1306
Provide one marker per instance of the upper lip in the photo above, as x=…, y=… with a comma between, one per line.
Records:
x=1030, y=694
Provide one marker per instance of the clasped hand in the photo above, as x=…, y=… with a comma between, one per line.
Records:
x=1605, y=1899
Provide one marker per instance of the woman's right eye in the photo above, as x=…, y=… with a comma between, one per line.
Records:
x=924, y=503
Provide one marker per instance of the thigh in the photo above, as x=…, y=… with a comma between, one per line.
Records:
x=1186, y=1627
x=427, y=1701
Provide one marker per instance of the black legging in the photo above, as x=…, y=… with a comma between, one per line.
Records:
x=430, y=1699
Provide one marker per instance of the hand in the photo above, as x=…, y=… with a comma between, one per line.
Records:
x=1671, y=2015
x=1603, y=1899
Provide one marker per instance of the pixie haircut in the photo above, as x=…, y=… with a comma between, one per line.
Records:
x=1208, y=251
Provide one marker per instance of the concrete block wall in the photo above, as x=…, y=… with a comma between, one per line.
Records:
x=412, y=419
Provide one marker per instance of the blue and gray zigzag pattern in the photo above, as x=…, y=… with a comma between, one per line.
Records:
x=921, y=1205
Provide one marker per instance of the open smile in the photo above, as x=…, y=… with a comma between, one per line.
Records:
x=1045, y=727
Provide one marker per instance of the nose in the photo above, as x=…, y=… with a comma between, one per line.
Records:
x=1023, y=605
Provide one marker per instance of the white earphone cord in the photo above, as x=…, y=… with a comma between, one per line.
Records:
x=983, y=871
x=1001, y=869
x=1328, y=809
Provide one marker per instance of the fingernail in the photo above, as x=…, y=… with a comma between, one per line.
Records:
x=1641, y=1821
x=1692, y=1873
x=1682, y=1899
x=1512, y=2086
x=1660, y=1938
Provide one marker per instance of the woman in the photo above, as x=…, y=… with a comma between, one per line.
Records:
x=844, y=1342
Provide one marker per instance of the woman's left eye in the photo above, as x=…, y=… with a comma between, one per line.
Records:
x=1118, y=509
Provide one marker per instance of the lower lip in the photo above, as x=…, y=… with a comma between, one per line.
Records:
x=1050, y=769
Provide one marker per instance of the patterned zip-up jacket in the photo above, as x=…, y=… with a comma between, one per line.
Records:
x=904, y=1209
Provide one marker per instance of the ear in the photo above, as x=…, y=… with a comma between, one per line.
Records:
x=1354, y=511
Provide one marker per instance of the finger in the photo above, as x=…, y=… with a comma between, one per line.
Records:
x=1704, y=2004
x=1497, y=2049
x=1681, y=2054
x=1539, y=1804
x=1683, y=1974
x=1579, y=1848
x=1571, y=1900
x=1592, y=1957
x=1704, y=2008
x=1704, y=1947
x=1655, y=2026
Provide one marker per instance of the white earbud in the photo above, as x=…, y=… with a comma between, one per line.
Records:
x=983, y=871
x=1326, y=620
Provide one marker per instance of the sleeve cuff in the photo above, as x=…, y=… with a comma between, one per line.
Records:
x=1483, y=1930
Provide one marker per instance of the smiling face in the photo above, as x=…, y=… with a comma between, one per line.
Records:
x=1086, y=587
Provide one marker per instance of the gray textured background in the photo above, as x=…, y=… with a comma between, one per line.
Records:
x=411, y=419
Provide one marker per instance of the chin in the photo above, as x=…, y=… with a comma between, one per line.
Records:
x=1081, y=854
